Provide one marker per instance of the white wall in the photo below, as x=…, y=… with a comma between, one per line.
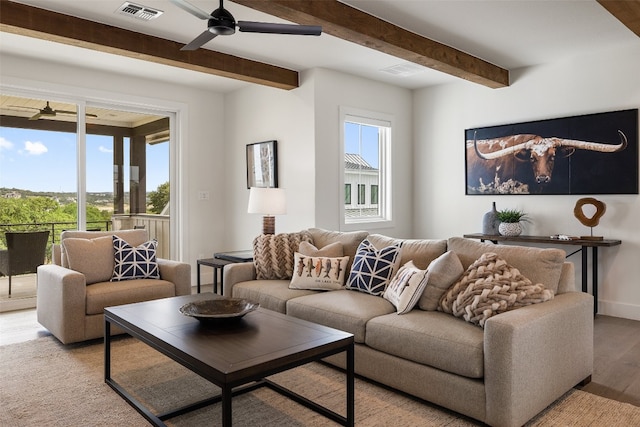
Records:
x=334, y=90
x=259, y=113
x=202, y=163
x=582, y=85
x=305, y=122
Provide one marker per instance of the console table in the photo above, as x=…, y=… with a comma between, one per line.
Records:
x=584, y=243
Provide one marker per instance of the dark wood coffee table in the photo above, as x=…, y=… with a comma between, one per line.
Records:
x=237, y=358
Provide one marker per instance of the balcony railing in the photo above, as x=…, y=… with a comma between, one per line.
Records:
x=156, y=225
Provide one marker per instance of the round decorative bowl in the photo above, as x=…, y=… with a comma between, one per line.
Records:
x=219, y=310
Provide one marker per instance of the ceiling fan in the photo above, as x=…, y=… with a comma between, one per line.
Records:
x=222, y=23
x=47, y=111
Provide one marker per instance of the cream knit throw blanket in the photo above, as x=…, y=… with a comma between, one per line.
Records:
x=491, y=286
x=273, y=254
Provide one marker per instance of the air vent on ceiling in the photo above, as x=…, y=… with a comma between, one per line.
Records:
x=404, y=70
x=137, y=11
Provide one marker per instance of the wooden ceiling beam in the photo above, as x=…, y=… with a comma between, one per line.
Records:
x=627, y=12
x=343, y=21
x=39, y=23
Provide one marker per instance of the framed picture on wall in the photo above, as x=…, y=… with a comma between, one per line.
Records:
x=262, y=164
x=588, y=154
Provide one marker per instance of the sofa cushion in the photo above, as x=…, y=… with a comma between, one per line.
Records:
x=420, y=251
x=430, y=338
x=270, y=294
x=331, y=250
x=346, y=310
x=491, y=286
x=319, y=273
x=406, y=287
x=134, y=237
x=442, y=273
x=273, y=254
x=539, y=265
x=134, y=262
x=373, y=268
x=107, y=294
x=349, y=240
x=91, y=257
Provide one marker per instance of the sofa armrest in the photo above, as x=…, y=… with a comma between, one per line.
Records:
x=236, y=273
x=178, y=273
x=61, y=302
x=534, y=354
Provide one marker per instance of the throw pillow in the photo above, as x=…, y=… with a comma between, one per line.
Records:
x=443, y=272
x=372, y=269
x=538, y=264
x=91, y=257
x=332, y=250
x=134, y=262
x=349, y=239
x=491, y=286
x=318, y=273
x=273, y=254
x=406, y=287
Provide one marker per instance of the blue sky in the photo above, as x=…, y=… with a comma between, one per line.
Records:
x=369, y=148
x=46, y=161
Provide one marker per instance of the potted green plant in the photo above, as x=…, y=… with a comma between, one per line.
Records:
x=511, y=221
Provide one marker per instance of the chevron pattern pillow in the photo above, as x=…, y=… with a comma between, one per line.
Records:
x=134, y=262
x=372, y=269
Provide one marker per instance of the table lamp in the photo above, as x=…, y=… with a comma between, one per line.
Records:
x=269, y=202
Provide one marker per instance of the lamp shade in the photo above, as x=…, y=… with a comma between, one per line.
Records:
x=267, y=201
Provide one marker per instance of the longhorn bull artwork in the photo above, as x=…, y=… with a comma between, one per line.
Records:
x=558, y=158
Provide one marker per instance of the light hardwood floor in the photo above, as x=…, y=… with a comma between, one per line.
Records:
x=616, y=365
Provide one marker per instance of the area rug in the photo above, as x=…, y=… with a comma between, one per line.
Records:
x=45, y=383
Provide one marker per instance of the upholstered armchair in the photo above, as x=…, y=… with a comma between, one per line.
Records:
x=88, y=274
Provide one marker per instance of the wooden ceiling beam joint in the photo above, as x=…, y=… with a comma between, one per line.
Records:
x=345, y=22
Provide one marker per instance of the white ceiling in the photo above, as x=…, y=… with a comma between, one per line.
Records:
x=510, y=34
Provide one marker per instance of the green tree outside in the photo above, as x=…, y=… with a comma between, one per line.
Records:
x=158, y=199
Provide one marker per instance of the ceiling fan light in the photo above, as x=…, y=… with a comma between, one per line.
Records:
x=222, y=23
x=222, y=30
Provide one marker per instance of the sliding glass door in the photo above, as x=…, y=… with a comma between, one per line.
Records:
x=109, y=169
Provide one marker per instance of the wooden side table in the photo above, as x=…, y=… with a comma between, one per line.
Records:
x=583, y=243
x=218, y=262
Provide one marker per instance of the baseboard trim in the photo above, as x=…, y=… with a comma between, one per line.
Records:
x=618, y=309
x=13, y=304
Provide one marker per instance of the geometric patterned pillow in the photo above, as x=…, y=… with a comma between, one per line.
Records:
x=491, y=286
x=372, y=269
x=134, y=262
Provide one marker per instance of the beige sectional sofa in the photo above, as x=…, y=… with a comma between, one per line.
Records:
x=502, y=374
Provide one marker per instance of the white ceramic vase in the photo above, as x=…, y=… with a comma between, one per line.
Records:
x=510, y=228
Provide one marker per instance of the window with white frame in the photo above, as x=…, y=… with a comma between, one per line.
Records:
x=366, y=140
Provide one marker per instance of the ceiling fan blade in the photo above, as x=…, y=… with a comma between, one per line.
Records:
x=73, y=113
x=188, y=7
x=13, y=107
x=271, y=28
x=35, y=116
x=199, y=41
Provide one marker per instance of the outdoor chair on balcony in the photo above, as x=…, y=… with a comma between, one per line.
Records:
x=25, y=252
x=91, y=270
